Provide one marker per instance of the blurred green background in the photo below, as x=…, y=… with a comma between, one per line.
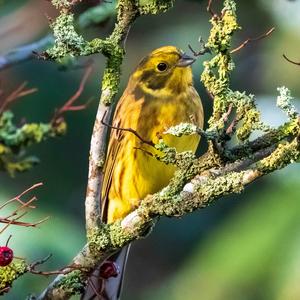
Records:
x=245, y=247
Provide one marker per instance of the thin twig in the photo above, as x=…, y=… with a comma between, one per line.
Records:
x=19, y=92
x=291, y=61
x=231, y=128
x=9, y=220
x=227, y=114
x=150, y=143
x=210, y=10
x=69, y=105
x=252, y=40
x=18, y=223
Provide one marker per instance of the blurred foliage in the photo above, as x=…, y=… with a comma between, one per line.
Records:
x=15, y=139
x=97, y=14
x=238, y=250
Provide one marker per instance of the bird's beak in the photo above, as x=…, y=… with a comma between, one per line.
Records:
x=185, y=60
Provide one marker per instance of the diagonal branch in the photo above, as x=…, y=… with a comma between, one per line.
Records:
x=25, y=52
x=262, y=36
x=19, y=92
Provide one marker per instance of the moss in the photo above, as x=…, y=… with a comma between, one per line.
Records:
x=14, y=140
x=98, y=239
x=284, y=102
x=72, y=283
x=112, y=73
x=215, y=187
x=284, y=154
x=11, y=272
x=182, y=129
x=60, y=4
x=154, y=6
x=67, y=40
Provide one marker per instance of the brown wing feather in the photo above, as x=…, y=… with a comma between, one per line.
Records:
x=107, y=179
x=115, y=142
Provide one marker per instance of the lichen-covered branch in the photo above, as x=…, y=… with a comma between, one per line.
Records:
x=92, y=16
x=14, y=139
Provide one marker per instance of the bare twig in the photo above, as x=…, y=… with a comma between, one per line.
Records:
x=19, y=92
x=69, y=105
x=210, y=10
x=202, y=50
x=227, y=114
x=291, y=61
x=150, y=143
x=14, y=217
x=231, y=128
x=264, y=35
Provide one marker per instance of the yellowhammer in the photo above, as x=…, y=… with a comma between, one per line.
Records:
x=159, y=94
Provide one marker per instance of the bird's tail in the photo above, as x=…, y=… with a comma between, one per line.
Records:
x=107, y=280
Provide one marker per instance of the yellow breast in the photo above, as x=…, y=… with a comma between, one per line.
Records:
x=137, y=173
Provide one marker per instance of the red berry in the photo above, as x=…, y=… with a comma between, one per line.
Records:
x=6, y=256
x=109, y=269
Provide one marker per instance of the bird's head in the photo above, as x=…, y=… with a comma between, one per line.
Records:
x=165, y=69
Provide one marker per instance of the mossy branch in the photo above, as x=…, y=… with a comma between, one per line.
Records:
x=15, y=139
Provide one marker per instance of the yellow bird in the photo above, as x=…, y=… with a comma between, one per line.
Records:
x=159, y=94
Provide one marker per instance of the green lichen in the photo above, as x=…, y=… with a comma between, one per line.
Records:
x=182, y=129
x=169, y=155
x=285, y=153
x=118, y=236
x=15, y=139
x=205, y=191
x=154, y=6
x=101, y=161
x=284, y=102
x=73, y=283
x=112, y=73
x=11, y=272
x=216, y=73
x=223, y=28
x=98, y=238
x=67, y=40
x=212, y=187
x=61, y=4
x=216, y=78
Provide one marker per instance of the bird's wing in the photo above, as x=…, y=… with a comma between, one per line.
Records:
x=115, y=142
x=112, y=153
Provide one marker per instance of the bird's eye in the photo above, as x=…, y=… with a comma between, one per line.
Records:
x=162, y=67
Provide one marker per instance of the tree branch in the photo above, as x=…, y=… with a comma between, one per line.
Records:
x=25, y=52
